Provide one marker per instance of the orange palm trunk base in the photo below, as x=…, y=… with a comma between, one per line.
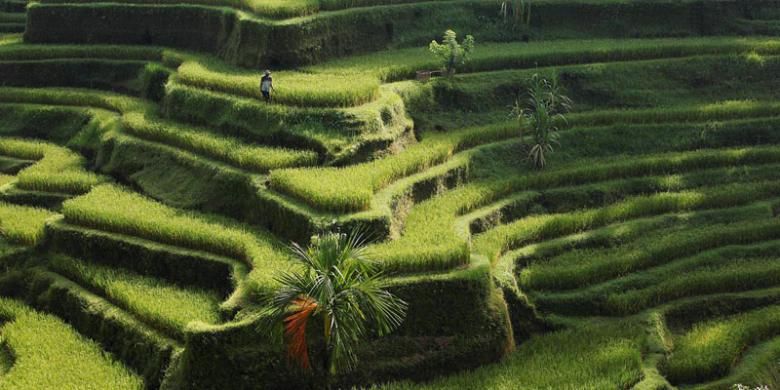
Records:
x=295, y=331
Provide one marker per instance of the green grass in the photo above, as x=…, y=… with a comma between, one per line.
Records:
x=10, y=39
x=352, y=188
x=17, y=51
x=576, y=270
x=166, y=306
x=23, y=225
x=75, y=98
x=9, y=17
x=594, y=356
x=638, y=209
x=276, y=9
x=547, y=226
x=708, y=350
x=616, y=234
x=619, y=85
x=435, y=237
x=290, y=87
x=117, y=210
x=57, y=169
x=430, y=239
x=49, y=354
x=230, y=150
x=718, y=111
x=722, y=269
x=757, y=367
x=394, y=65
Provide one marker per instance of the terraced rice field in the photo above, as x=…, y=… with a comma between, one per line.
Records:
x=148, y=194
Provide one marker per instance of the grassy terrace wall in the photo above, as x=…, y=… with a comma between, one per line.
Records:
x=242, y=39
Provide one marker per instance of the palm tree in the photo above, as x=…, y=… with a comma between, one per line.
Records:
x=340, y=285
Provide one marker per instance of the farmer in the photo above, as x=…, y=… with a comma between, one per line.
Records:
x=266, y=86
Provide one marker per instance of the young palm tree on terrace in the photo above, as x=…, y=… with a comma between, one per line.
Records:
x=339, y=285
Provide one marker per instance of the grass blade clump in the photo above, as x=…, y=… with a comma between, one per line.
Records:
x=352, y=188
x=227, y=149
x=594, y=356
x=291, y=88
x=23, y=225
x=399, y=64
x=51, y=355
x=57, y=169
x=546, y=226
x=114, y=209
x=165, y=305
x=709, y=350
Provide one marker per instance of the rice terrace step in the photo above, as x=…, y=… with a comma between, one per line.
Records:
x=390, y=194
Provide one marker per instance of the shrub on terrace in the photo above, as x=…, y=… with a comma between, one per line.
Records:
x=338, y=284
x=546, y=106
x=450, y=52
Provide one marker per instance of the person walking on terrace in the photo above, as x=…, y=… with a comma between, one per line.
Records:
x=267, y=86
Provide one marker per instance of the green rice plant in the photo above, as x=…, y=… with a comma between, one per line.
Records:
x=23, y=225
x=718, y=111
x=5, y=179
x=594, y=356
x=757, y=367
x=49, y=354
x=22, y=52
x=572, y=271
x=430, y=239
x=400, y=64
x=612, y=235
x=740, y=275
x=546, y=226
x=12, y=17
x=10, y=39
x=75, y=97
x=281, y=8
x=55, y=124
x=337, y=131
x=114, y=209
x=661, y=81
x=352, y=188
x=166, y=306
x=276, y=9
x=435, y=236
x=227, y=149
x=290, y=87
x=709, y=350
x=57, y=169
x=730, y=268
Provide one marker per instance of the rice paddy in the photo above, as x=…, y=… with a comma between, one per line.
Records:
x=149, y=193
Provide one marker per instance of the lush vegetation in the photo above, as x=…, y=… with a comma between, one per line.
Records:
x=40, y=342
x=340, y=285
x=150, y=198
x=22, y=224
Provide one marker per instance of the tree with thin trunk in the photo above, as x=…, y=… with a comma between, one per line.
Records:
x=338, y=284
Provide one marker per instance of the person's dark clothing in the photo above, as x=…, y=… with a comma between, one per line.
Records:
x=266, y=85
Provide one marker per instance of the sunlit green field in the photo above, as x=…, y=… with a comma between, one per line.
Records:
x=149, y=195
